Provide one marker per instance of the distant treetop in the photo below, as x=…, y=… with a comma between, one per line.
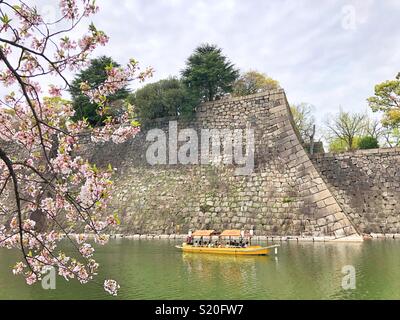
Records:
x=253, y=82
x=208, y=73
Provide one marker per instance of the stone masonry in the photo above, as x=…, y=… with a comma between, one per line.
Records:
x=334, y=196
x=366, y=184
x=284, y=196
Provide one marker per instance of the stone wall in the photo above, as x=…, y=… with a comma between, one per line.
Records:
x=285, y=195
x=335, y=196
x=366, y=184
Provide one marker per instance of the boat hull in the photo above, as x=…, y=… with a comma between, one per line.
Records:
x=249, y=251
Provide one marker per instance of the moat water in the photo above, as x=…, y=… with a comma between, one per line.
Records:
x=150, y=269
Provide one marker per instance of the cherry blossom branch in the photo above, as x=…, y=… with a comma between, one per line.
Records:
x=11, y=171
x=50, y=183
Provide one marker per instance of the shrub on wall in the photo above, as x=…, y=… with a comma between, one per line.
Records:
x=368, y=142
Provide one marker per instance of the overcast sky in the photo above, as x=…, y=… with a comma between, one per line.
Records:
x=327, y=53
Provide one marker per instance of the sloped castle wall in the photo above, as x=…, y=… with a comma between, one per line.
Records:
x=285, y=195
x=366, y=183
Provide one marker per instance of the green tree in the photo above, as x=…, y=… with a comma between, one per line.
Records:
x=304, y=120
x=339, y=145
x=208, y=73
x=168, y=97
x=387, y=100
x=368, y=142
x=391, y=136
x=252, y=82
x=373, y=128
x=95, y=74
x=346, y=127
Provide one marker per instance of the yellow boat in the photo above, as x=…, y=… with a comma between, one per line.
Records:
x=209, y=247
x=250, y=250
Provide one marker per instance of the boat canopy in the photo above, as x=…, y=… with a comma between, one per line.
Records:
x=231, y=233
x=203, y=233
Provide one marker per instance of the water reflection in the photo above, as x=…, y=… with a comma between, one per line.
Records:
x=225, y=267
x=312, y=271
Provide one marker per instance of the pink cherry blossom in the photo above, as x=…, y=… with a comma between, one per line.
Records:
x=59, y=192
x=111, y=286
x=18, y=268
x=31, y=278
x=28, y=224
x=86, y=250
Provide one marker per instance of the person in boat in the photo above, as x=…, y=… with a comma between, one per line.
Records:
x=189, y=240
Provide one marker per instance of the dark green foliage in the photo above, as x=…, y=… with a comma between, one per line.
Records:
x=168, y=97
x=208, y=73
x=95, y=75
x=368, y=142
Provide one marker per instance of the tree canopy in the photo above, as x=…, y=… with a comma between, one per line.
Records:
x=208, y=73
x=303, y=119
x=346, y=127
x=339, y=145
x=368, y=142
x=94, y=75
x=168, y=97
x=252, y=82
x=387, y=100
